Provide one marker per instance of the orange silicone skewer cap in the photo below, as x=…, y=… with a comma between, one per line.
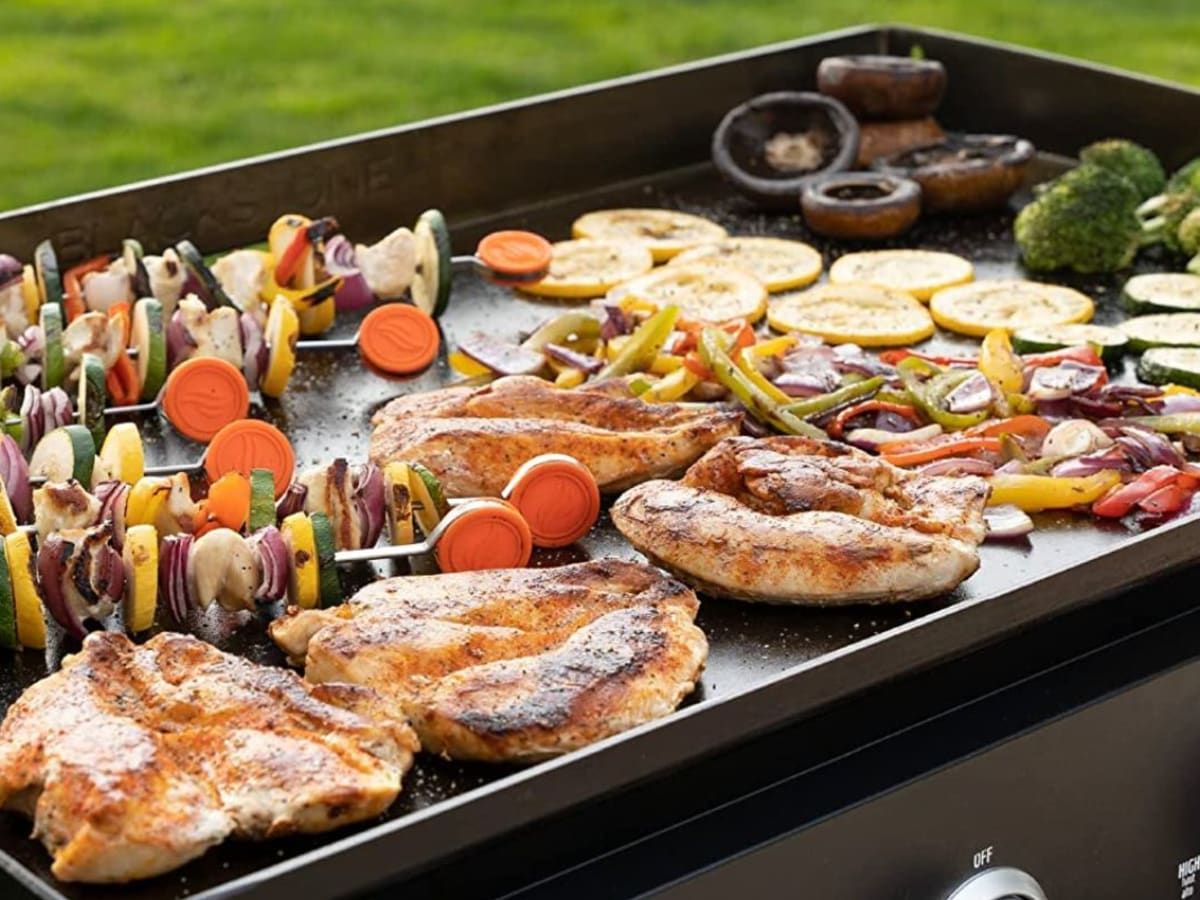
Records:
x=399, y=339
x=519, y=255
x=483, y=534
x=251, y=444
x=204, y=394
x=558, y=496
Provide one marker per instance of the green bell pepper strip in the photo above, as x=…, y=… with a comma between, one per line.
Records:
x=1178, y=423
x=643, y=345
x=929, y=396
x=757, y=403
x=812, y=406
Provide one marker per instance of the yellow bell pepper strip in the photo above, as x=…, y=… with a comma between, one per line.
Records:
x=847, y=393
x=665, y=364
x=1034, y=493
x=758, y=404
x=672, y=387
x=761, y=381
x=999, y=364
x=643, y=345
x=771, y=347
x=464, y=365
x=916, y=454
x=570, y=378
x=1169, y=389
x=1161, y=490
x=928, y=395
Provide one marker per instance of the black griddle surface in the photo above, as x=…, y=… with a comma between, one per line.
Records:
x=326, y=413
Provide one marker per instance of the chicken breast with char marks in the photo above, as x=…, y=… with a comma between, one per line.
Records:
x=513, y=664
x=132, y=760
x=795, y=520
x=473, y=440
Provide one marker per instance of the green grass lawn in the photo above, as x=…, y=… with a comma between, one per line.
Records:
x=99, y=92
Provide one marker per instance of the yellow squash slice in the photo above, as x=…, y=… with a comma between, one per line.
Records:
x=8, y=518
x=919, y=272
x=122, y=458
x=706, y=293
x=853, y=313
x=664, y=232
x=282, y=331
x=304, y=585
x=147, y=498
x=779, y=264
x=140, y=555
x=975, y=309
x=588, y=268
x=31, y=624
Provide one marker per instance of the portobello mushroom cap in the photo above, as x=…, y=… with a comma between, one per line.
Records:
x=861, y=205
x=965, y=173
x=771, y=146
x=876, y=86
x=878, y=139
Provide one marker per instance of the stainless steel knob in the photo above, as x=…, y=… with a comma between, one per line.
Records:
x=1000, y=883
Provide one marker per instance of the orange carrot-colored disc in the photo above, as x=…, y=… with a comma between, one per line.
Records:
x=251, y=444
x=516, y=254
x=483, y=534
x=558, y=497
x=203, y=395
x=399, y=339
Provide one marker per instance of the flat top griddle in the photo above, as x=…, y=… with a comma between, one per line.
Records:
x=766, y=664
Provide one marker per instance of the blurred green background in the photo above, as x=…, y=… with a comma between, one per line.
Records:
x=100, y=92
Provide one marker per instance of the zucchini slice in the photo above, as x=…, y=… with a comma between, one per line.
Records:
x=147, y=335
x=193, y=260
x=327, y=573
x=304, y=586
x=92, y=396
x=1162, y=292
x=429, y=501
x=1163, y=330
x=31, y=623
x=1171, y=365
x=8, y=609
x=431, y=288
x=140, y=556
x=1109, y=342
x=65, y=453
x=262, y=499
x=45, y=264
x=54, y=364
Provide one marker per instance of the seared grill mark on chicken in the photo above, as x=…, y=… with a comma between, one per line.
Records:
x=514, y=664
x=133, y=760
x=474, y=440
x=793, y=520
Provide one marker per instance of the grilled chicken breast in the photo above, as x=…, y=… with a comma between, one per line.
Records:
x=513, y=664
x=474, y=439
x=132, y=760
x=793, y=520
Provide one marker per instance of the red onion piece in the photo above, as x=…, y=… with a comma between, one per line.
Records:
x=887, y=420
x=568, y=357
x=803, y=384
x=1089, y=464
x=31, y=418
x=851, y=358
x=370, y=500
x=113, y=495
x=32, y=342
x=111, y=571
x=1179, y=403
x=502, y=358
x=179, y=340
x=1006, y=522
x=813, y=366
x=173, y=578
x=56, y=409
x=291, y=501
x=339, y=262
x=1061, y=381
x=972, y=395
x=52, y=559
x=273, y=555
x=872, y=439
x=616, y=322
x=958, y=466
x=1147, y=449
x=11, y=270
x=14, y=471
x=254, y=349
x=710, y=391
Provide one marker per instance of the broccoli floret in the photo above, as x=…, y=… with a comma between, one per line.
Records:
x=1130, y=160
x=1189, y=239
x=1161, y=217
x=1186, y=177
x=1084, y=221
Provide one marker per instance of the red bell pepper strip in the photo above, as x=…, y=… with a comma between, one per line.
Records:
x=118, y=318
x=915, y=454
x=1166, y=500
x=1085, y=354
x=743, y=335
x=694, y=364
x=121, y=382
x=1021, y=426
x=289, y=260
x=893, y=357
x=73, y=304
x=1120, y=500
x=837, y=427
